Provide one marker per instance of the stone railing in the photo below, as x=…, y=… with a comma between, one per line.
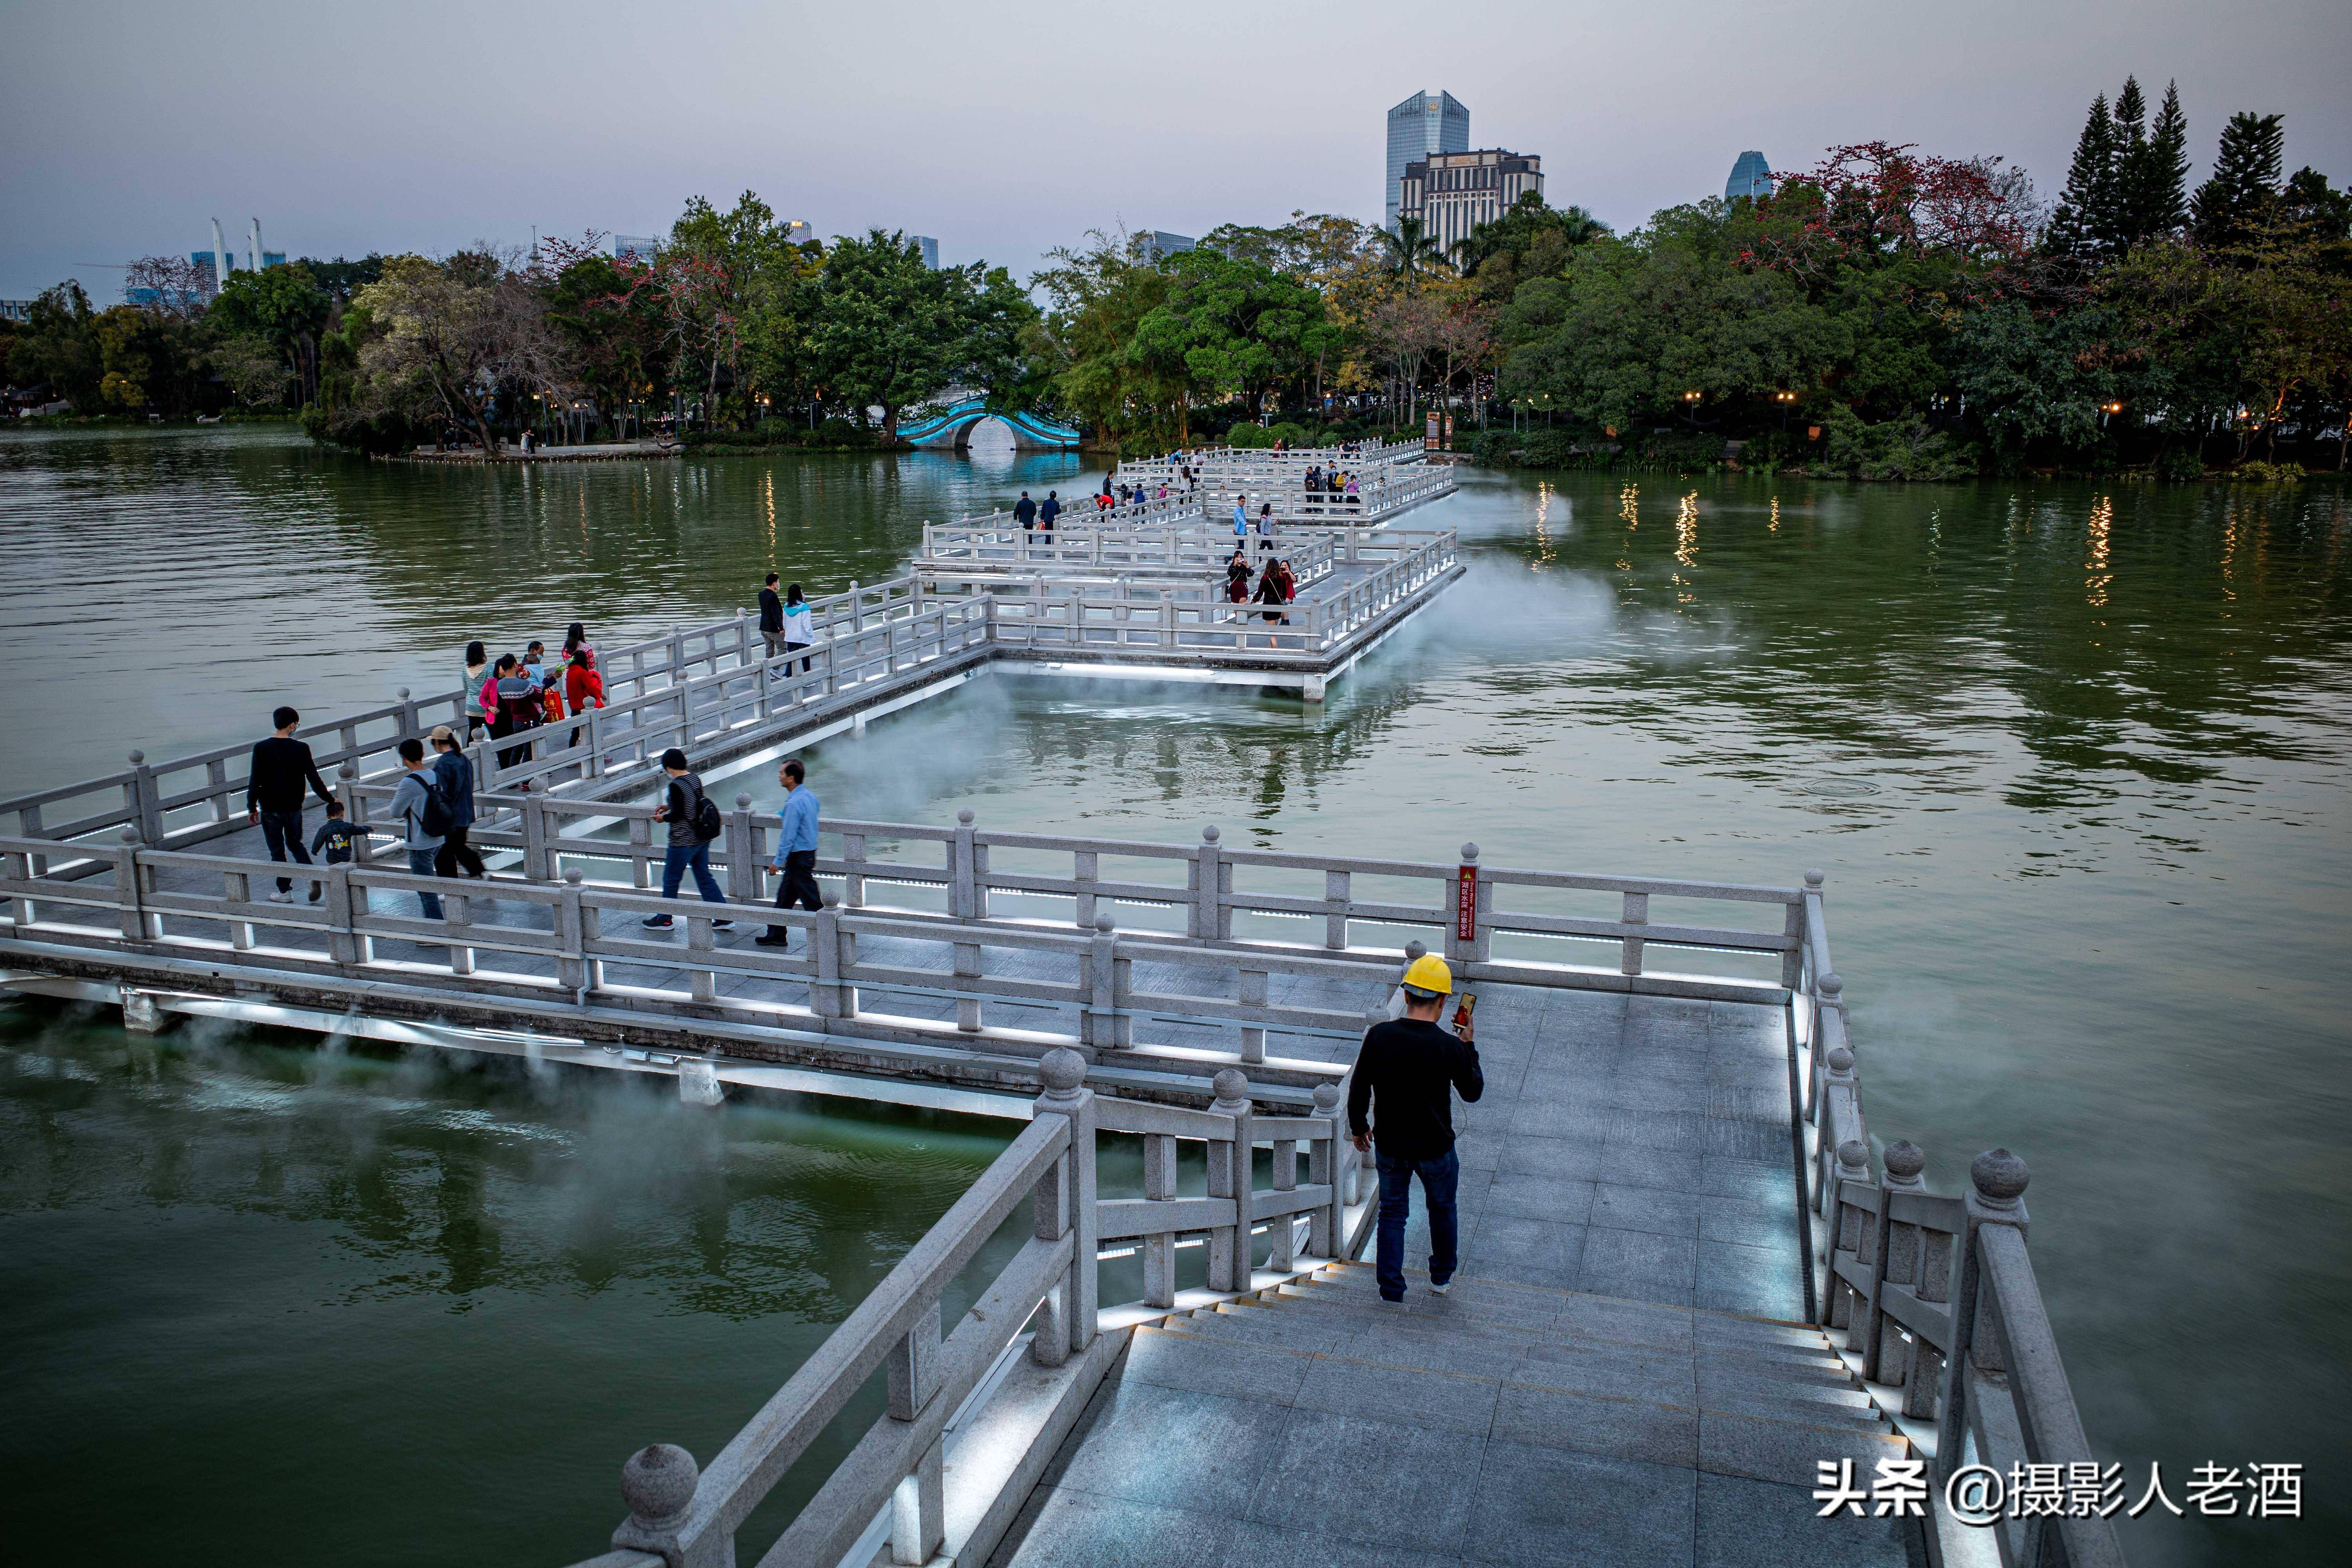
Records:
x=943, y=1472
x=1193, y=550
x=1154, y=512
x=1936, y=1294
x=642, y=680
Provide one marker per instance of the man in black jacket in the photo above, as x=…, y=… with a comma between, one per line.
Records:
x=771, y=617
x=273, y=793
x=1407, y=1070
x=1024, y=512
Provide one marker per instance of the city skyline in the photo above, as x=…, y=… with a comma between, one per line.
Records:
x=102, y=174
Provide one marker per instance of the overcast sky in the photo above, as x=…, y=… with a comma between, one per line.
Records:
x=1005, y=129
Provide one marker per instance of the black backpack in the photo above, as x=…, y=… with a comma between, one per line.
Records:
x=435, y=819
x=708, y=825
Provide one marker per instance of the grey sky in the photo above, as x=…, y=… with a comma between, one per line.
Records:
x=1007, y=129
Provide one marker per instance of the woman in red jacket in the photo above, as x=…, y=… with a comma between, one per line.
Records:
x=583, y=686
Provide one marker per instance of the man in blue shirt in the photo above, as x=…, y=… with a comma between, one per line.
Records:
x=1241, y=519
x=795, y=850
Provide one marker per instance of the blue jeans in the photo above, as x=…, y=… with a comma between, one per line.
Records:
x=282, y=831
x=420, y=864
x=674, y=862
x=1438, y=1178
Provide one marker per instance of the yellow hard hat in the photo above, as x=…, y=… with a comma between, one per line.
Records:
x=1428, y=973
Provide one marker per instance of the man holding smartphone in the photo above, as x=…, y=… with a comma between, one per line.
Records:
x=1408, y=1070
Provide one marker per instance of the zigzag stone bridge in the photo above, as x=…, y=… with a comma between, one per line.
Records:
x=1688, y=1278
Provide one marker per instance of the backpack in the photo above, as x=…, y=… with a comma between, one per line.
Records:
x=434, y=820
x=704, y=817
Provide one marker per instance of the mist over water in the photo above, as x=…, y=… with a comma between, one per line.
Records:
x=2073, y=759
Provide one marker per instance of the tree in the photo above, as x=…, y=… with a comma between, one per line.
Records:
x=1098, y=297
x=59, y=344
x=2239, y=200
x=886, y=330
x=2151, y=189
x=2085, y=219
x=450, y=337
x=280, y=306
x=1410, y=252
x=171, y=286
x=1229, y=326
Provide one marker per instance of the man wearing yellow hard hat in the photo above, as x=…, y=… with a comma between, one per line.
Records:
x=1399, y=1103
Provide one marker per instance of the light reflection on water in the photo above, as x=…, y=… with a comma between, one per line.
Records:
x=2073, y=759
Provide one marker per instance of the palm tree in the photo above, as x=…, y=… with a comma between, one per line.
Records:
x=1409, y=251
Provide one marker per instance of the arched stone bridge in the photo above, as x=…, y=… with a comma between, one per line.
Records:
x=951, y=426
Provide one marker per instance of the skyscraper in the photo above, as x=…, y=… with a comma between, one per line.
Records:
x=1750, y=176
x=1425, y=123
x=928, y=247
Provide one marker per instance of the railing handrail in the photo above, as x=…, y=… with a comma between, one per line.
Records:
x=896, y=1474
x=1936, y=1294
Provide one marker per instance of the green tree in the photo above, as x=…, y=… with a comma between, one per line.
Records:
x=1229, y=326
x=2152, y=199
x=2085, y=219
x=1096, y=298
x=889, y=331
x=1411, y=252
x=59, y=344
x=450, y=339
x=2240, y=198
x=282, y=306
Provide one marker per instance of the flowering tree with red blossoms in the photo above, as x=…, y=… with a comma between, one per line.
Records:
x=1874, y=201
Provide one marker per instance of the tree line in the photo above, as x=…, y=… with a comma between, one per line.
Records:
x=1890, y=314
x=1882, y=313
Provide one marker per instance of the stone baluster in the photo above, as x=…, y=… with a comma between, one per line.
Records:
x=1253, y=995
x=1101, y=1017
x=1205, y=881
x=1230, y=1167
x=1837, y=1081
x=1894, y=1259
x=144, y=801
x=1160, y=1251
x=1325, y=1160
x=1063, y=1205
x=130, y=889
x=1845, y=1228
x=1997, y=1180
x=1284, y=1232
x=742, y=860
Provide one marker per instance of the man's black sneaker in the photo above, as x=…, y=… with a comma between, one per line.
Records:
x=772, y=940
x=656, y=923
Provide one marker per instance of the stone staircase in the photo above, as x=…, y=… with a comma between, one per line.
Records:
x=1500, y=1423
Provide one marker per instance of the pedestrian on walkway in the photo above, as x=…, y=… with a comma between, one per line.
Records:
x=423, y=817
x=1265, y=526
x=771, y=617
x=691, y=830
x=1399, y=1098
x=1047, y=512
x=1237, y=579
x=1240, y=520
x=478, y=670
x=1269, y=594
x=337, y=838
x=274, y=778
x=575, y=637
x=797, y=624
x=1024, y=512
x=797, y=830
x=518, y=707
x=582, y=688
x=453, y=776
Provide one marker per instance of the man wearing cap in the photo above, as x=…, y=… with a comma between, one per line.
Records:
x=1408, y=1068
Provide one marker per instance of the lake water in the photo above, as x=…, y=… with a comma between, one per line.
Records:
x=2073, y=757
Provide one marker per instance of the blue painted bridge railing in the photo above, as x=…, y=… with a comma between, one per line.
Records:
x=951, y=426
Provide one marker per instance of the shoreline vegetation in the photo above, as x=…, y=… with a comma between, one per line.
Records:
x=1884, y=314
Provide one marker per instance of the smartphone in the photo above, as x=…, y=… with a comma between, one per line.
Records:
x=1463, y=1005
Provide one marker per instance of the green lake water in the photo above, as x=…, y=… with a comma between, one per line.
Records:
x=2073, y=757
